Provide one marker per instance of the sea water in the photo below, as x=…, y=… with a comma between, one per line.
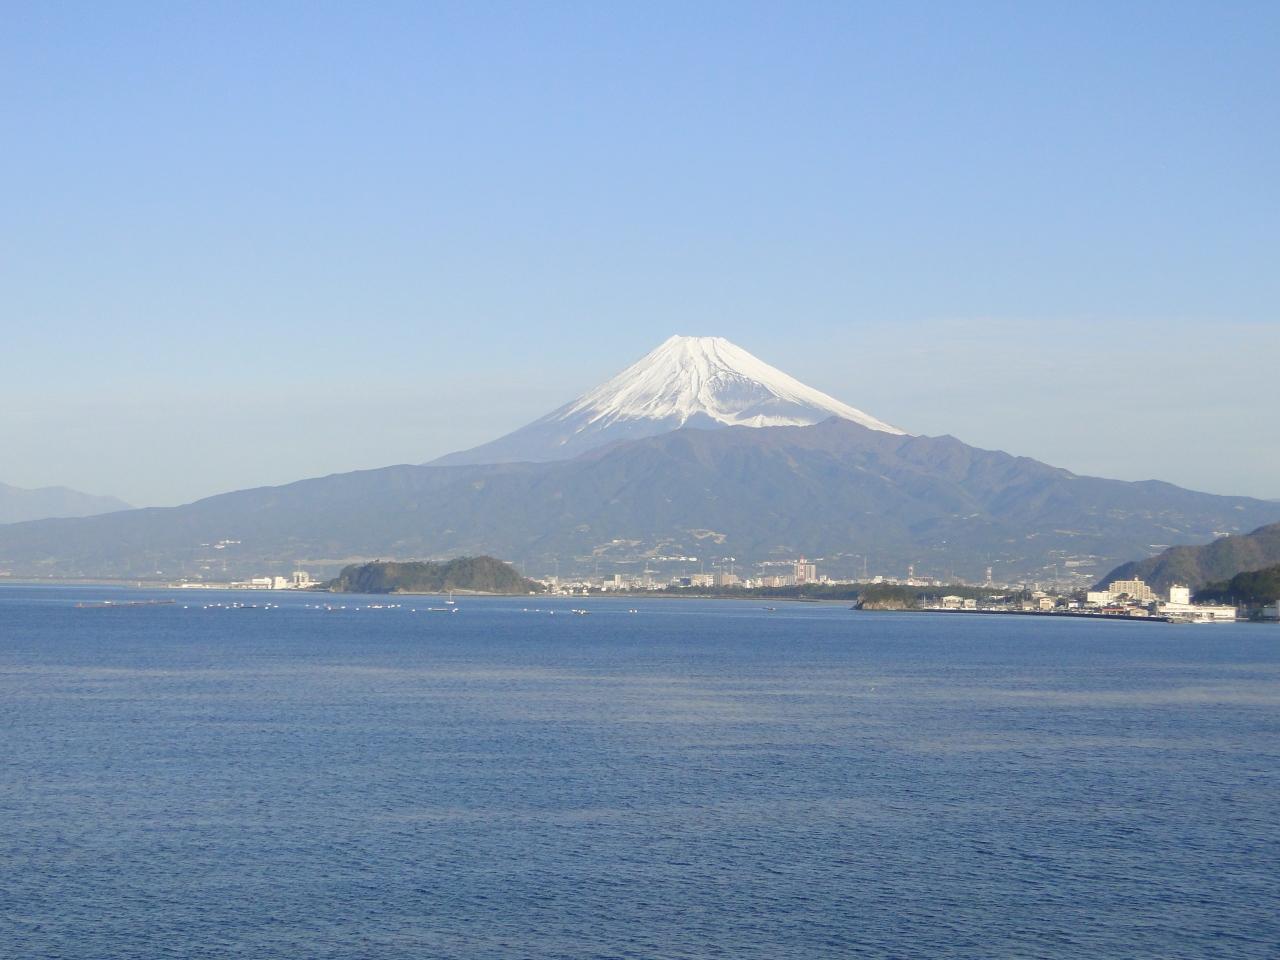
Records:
x=692, y=779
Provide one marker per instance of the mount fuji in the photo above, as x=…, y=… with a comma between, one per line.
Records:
x=703, y=382
x=699, y=450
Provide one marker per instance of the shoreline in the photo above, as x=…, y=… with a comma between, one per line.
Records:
x=1060, y=614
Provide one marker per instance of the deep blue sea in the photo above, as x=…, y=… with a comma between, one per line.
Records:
x=696, y=779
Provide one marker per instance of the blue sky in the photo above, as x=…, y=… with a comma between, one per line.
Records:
x=244, y=244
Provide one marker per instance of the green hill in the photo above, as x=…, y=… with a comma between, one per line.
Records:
x=471, y=574
x=1214, y=562
x=1252, y=588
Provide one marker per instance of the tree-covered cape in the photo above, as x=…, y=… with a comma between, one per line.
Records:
x=472, y=574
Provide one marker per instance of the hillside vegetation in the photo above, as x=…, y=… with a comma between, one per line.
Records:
x=1251, y=588
x=470, y=574
x=1214, y=562
x=831, y=490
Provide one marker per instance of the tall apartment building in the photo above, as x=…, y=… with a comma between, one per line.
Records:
x=1134, y=588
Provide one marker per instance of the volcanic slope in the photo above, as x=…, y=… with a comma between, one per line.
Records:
x=836, y=490
x=686, y=382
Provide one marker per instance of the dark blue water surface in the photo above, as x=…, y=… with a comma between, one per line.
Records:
x=698, y=779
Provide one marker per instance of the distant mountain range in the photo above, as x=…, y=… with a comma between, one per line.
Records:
x=699, y=450
x=1198, y=566
x=18, y=504
x=836, y=490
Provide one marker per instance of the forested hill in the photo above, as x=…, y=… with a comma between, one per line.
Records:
x=835, y=490
x=470, y=574
x=1211, y=563
x=1253, y=588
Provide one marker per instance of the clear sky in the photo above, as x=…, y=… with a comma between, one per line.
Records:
x=245, y=244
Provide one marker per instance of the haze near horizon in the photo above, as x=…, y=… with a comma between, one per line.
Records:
x=249, y=245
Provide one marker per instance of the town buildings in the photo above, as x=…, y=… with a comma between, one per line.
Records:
x=1129, y=595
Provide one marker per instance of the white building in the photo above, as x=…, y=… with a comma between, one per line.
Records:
x=1180, y=607
x=1197, y=612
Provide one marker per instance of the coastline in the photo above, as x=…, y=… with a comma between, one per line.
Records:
x=1060, y=614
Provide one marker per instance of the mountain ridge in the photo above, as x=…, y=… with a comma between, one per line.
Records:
x=836, y=490
x=1197, y=566
x=697, y=449
x=18, y=504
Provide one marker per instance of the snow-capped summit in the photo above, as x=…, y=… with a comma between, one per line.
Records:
x=686, y=381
